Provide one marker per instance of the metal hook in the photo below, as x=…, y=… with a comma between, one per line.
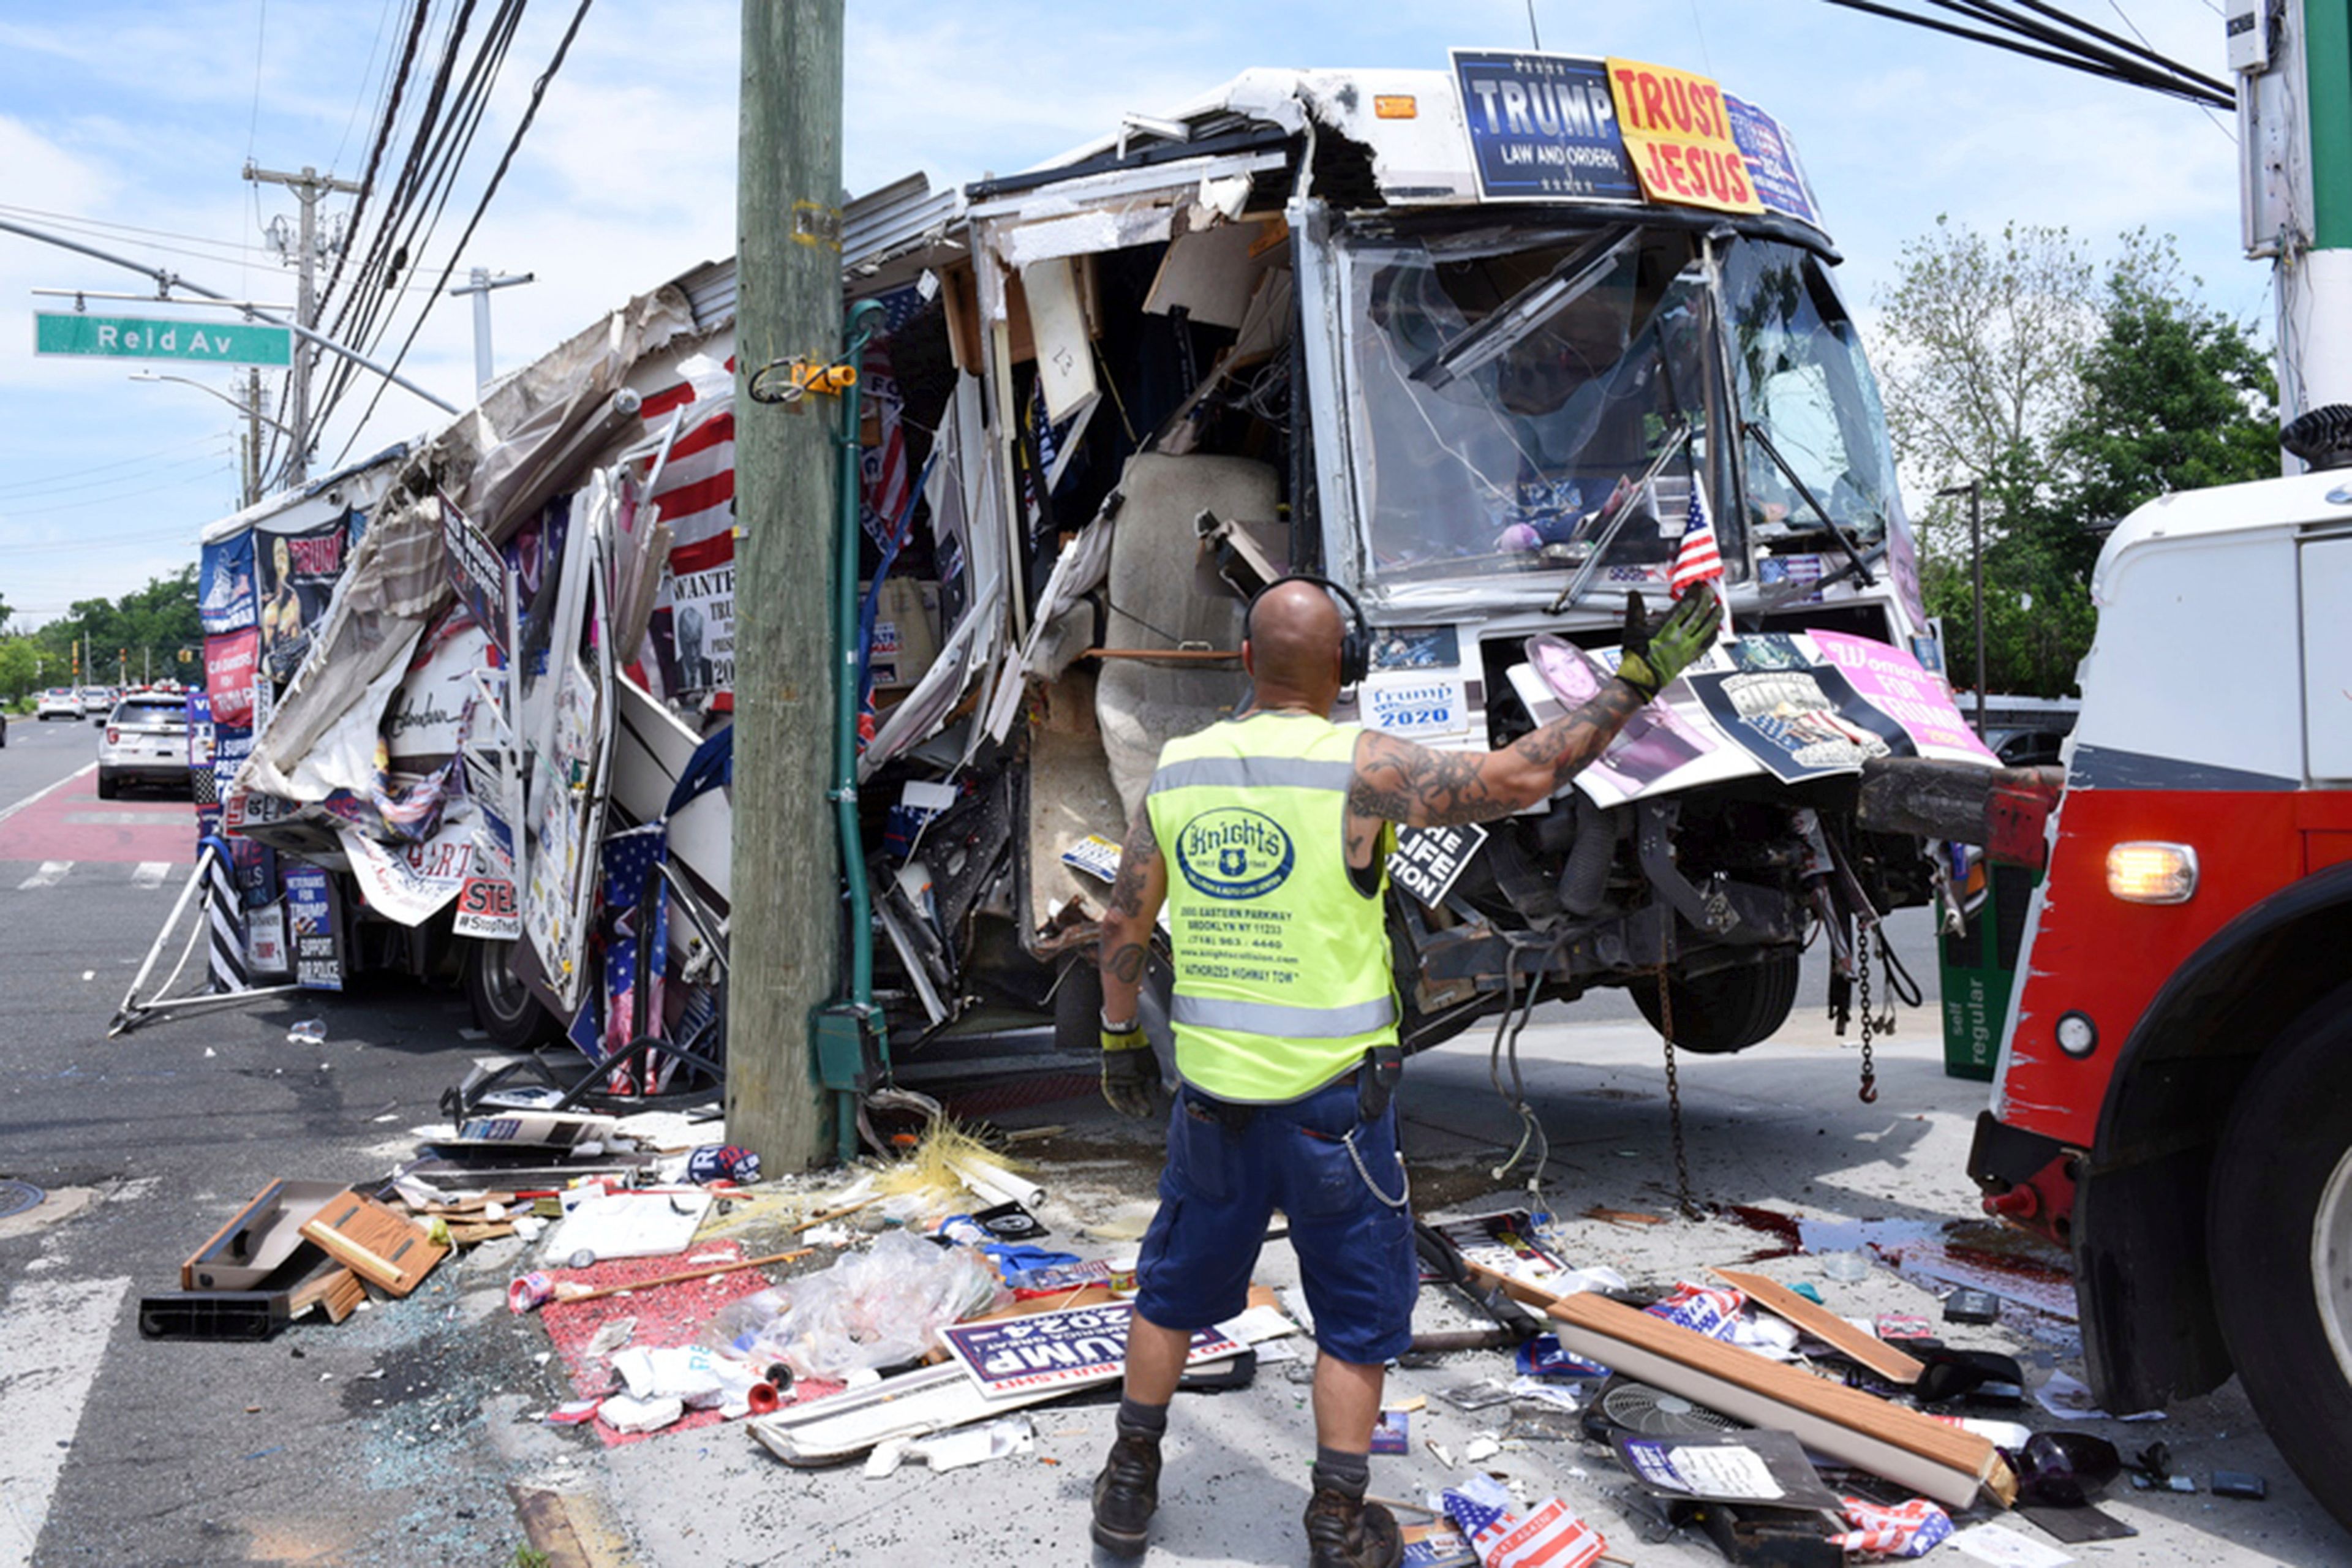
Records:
x=1868, y=1093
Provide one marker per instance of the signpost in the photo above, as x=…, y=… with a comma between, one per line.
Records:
x=151, y=338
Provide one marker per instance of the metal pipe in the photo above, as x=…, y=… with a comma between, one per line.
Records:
x=864, y=317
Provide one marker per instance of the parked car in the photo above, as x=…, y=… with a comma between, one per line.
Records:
x=146, y=742
x=58, y=702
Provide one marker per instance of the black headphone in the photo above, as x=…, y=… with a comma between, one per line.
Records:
x=1355, y=643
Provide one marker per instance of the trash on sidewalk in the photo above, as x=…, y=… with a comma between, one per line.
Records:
x=1908, y=1530
x=1895, y=1365
x=1007, y=1436
x=387, y=1249
x=1762, y=1465
x=1549, y=1534
x=659, y=1221
x=1947, y=1464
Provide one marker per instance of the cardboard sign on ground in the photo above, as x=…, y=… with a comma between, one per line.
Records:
x=379, y=1246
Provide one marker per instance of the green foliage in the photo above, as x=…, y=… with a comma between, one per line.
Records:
x=2137, y=391
x=160, y=618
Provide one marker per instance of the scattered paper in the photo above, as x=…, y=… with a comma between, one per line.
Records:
x=624, y=1413
x=2004, y=1547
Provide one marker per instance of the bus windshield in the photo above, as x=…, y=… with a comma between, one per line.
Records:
x=1802, y=378
x=1514, y=394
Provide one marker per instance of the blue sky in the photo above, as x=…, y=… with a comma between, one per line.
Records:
x=138, y=117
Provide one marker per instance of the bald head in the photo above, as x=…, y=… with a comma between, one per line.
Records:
x=1292, y=645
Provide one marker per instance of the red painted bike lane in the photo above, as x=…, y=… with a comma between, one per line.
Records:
x=71, y=823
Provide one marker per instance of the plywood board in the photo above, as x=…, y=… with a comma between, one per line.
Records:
x=1824, y=1325
x=1943, y=1462
x=383, y=1247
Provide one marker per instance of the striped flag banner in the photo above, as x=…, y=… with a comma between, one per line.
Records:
x=1549, y=1536
x=1911, y=1531
x=1697, y=560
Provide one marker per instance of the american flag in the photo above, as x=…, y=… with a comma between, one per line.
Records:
x=1549, y=1537
x=635, y=958
x=1911, y=1531
x=885, y=480
x=1697, y=560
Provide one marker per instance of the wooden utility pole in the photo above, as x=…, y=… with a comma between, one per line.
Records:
x=786, y=933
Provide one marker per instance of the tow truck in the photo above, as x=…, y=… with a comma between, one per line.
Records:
x=2169, y=1102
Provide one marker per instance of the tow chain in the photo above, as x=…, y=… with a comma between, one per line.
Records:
x=1863, y=933
x=1683, y=1200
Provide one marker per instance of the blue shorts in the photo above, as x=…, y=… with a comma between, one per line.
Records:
x=1222, y=1185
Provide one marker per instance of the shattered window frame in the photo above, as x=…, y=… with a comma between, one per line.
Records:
x=1536, y=527
x=1831, y=426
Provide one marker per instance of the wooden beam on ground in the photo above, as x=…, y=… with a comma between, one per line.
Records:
x=1942, y=1462
x=1824, y=1325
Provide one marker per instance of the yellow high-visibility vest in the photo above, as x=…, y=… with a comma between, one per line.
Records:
x=1282, y=960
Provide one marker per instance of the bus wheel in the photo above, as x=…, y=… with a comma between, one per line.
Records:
x=504, y=1007
x=1729, y=1010
x=2279, y=1221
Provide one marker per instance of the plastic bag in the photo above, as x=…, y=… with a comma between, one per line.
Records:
x=878, y=1308
x=733, y=1327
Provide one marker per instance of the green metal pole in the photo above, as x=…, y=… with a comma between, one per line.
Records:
x=2328, y=81
x=862, y=317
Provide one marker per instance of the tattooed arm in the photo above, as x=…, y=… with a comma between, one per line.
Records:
x=1135, y=898
x=1396, y=781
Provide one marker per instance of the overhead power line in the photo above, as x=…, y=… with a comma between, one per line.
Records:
x=2044, y=32
x=498, y=175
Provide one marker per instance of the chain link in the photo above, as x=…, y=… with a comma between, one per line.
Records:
x=1863, y=933
x=1683, y=1200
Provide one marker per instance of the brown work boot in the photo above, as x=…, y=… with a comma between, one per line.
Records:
x=1345, y=1531
x=1125, y=1493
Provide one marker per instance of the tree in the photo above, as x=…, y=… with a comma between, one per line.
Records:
x=160, y=618
x=1983, y=345
x=2176, y=395
x=2141, y=390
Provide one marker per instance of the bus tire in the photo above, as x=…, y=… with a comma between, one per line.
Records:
x=2279, y=1224
x=1729, y=1010
x=504, y=1007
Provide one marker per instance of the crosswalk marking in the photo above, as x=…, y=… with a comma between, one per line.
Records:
x=48, y=1359
x=51, y=873
x=151, y=873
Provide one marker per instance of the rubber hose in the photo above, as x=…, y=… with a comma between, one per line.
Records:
x=1584, y=880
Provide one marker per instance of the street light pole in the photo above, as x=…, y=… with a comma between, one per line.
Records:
x=478, y=284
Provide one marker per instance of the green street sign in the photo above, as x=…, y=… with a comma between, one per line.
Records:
x=140, y=337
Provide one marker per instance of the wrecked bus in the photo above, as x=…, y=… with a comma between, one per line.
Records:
x=1481, y=347
x=1491, y=348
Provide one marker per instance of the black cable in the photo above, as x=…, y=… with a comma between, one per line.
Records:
x=1998, y=12
x=2072, y=62
x=531, y=112
x=2128, y=45
x=436, y=152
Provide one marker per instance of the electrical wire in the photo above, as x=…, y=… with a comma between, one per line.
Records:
x=2087, y=48
x=498, y=175
x=13, y=514
x=64, y=486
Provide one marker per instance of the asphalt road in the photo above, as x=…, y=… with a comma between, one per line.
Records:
x=395, y=1438
x=119, y=1450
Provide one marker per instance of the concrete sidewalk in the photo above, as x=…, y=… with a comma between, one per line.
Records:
x=1777, y=1126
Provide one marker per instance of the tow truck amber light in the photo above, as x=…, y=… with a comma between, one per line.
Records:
x=1395, y=106
x=2144, y=873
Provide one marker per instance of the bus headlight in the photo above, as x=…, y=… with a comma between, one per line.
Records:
x=2150, y=873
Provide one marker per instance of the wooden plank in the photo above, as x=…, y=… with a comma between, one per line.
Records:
x=1824, y=1325
x=382, y=1246
x=1943, y=1462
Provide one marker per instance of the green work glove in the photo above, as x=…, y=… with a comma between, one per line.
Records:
x=1653, y=658
x=1130, y=1073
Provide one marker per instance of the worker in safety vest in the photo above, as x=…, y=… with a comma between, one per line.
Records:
x=1266, y=836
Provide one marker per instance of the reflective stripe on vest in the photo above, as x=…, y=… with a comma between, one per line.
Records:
x=1282, y=961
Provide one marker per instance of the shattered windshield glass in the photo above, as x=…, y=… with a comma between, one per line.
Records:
x=1798, y=363
x=1510, y=391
